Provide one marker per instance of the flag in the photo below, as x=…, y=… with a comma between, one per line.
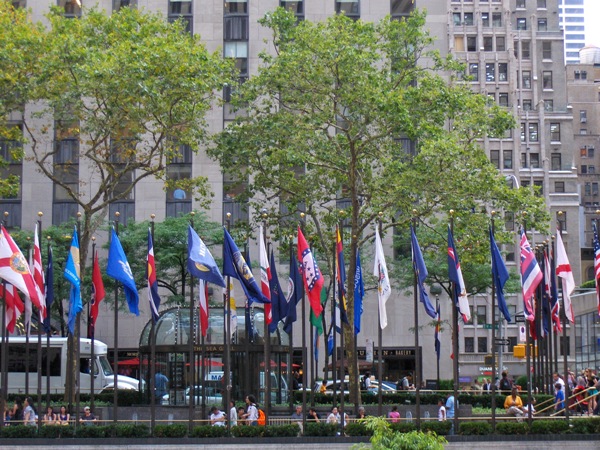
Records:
x=531, y=276
x=438, y=329
x=597, y=265
x=341, y=308
x=233, y=309
x=455, y=275
x=27, y=301
x=98, y=295
x=249, y=310
x=14, y=268
x=555, y=304
x=546, y=296
x=153, y=297
x=316, y=344
x=278, y=301
x=294, y=294
x=14, y=305
x=119, y=269
x=200, y=263
x=563, y=270
x=384, y=289
x=203, y=302
x=319, y=322
x=49, y=290
x=37, y=271
x=235, y=266
x=359, y=293
x=313, y=279
x=500, y=276
x=72, y=275
x=421, y=273
x=265, y=275
x=330, y=343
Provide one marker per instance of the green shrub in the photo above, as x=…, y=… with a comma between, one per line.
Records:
x=320, y=429
x=589, y=425
x=358, y=429
x=131, y=430
x=175, y=430
x=475, y=428
x=18, y=431
x=512, y=427
x=558, y=426
x=56, y=431
x=403, y=427
x=92, y=431
x=125, y=397
x=247, y=431
x=208, y=431
x=439, y=428
x=289, y=430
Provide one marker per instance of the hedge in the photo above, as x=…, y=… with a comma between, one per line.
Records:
x=439, y=428
x=474, y=428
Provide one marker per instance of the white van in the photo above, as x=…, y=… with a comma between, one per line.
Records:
x=57, y=354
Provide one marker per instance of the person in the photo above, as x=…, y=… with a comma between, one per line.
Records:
x=334, y=416
x=394, y=415
x=88, y=418
x=556, y=378
x=297, y=417
x=514, y=405
x=29, y=415
x=160, y=386
x=559, y=399
x=313, y=415
x=367, y=381
x=361, y=413
x=217, y=418
x=240, y=414
x=450, y=407
x=251, y=415
x=63, y=416
x=50, y=418
x=592, y=392
x=16, y=416
x=441, y=411
x=323, y=387
x=505, y=384
x=233, y=415
x=487, y=386
x=404, y=384
x=530, y=408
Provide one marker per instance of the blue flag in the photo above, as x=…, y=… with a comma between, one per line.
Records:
x=438, y=329
x=235, y=266
x=118, y=268
x=294, y=294
x=49, y=290
x=330, y=341
x=278, y=302
x=200, y=263
x=359, y=293
x=421, y=273
x=316, y=344
x=72, y=275
x=500, y=276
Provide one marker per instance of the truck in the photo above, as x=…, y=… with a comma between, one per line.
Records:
x=20, y=362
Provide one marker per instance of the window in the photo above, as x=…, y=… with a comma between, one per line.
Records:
x=350, y=8
x=521, y=4
x=236, y=28
x=232, y=188
x=527, y=106
x=565, y=345
x=507, y=156
x=521, y=23
x=474, y=71
x=555, y=132
x=525, y=50
x=542, y=24
x=509, y=223
x=238, y=51
x=118, y=4
x=547, y=50
x=469, y=345
x=72, y=7
x=559, y=187
x=526, y=75
x=236, y=7
x=468, y=19
x=459, y=43
x=583, y=116
x=488, y=42
x=503, y=99
x=533, y=132
x=490, y=72
x=500, y=43
x=534, y=160
x=66, y=168
x=181, y=10
x=496, y=19
x=583, y=131
x=482, y=344
x=481, y=314
x=502, y=71
x=556, y=161
x=523, y=135
x=485, y=19
x=583, y=75
x=549, y=105
x=541, y=4
x=590, y=152
x=495, y=158
x=471, y=43
x=456, y=19
x=14, y=167
x=295, y=6
x=402, y=7
x=547, y=79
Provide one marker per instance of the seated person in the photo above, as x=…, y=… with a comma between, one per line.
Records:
x=88, y=418
x=50, y=418
x=514, y=405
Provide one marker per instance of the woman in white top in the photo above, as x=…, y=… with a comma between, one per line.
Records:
x=233, y=416
x=29, y=415
x=334, y=416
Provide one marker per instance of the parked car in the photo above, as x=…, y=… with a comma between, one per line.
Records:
x=330, y=385
x=212, y=395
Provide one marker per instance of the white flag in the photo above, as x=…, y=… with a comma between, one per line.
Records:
x=563, y=270
x=383, y=280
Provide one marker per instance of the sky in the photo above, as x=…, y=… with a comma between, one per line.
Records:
x=592, y=22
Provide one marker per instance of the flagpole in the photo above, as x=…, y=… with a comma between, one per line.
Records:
x=551, y=337
x=564, y=346
x=28, y=328
x=341, y=305
x=92, y=328
x=291, y=339
x=192, y=372
x=227, y=374
x=417, y=378
x=527, y=342
x=454, y=339
x=267, y=340
x=41, y=319
x=152, y=363
x=379, y=341
x=116, y=333
x=493, y=381
x=49, y=330
x=332, y=329
x=4, y=353
x=304, y=352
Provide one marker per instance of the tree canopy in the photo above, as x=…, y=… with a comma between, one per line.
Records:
x=365, y=118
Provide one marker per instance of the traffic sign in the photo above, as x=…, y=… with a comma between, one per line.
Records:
x=519, y=318
x=488, y=326
x=498, y=341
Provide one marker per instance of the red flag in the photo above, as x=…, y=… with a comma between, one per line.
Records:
x=14, y=305
x=38, y=273
x=265, y=273
x=313, y=279
x=203, y=300
x=563, y=271
x=98, y=295
x=14, y=268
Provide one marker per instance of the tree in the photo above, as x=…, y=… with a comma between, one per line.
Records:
x=362, y=117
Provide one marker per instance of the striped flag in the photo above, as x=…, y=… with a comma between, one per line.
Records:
x=597, y=265
x=38, y=273
x=98, y=294
x=455, y=275
x=563, y=270
x=265, y=273
x=14, y=305
x=203, y=302
x=531, y=277
x=153, y=297
x=555, y=304
x=341, y=308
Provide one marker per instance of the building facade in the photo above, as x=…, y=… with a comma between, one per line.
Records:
x=513, y=53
